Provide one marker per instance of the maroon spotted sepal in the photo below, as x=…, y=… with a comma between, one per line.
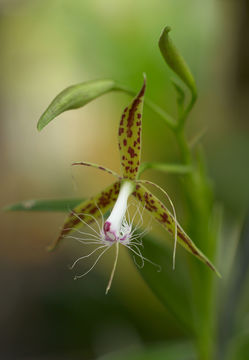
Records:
x=91, y=209
x=161, y=214
x=129, y=136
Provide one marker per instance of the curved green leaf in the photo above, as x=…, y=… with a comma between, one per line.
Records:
x=60, y=205
x=76, y=96
x=175, y=60
x=235, y=308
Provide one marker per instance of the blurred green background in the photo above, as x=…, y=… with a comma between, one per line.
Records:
x=49, y=45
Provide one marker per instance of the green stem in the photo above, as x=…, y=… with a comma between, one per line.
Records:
x=183, y=147
x=196, y=188
x=183, y=117
x=167, y=168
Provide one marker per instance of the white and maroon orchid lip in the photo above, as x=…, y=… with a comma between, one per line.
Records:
x=108, y=234
x=115, y=228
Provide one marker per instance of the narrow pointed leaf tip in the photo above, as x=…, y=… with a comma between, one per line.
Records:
x=175, y=60
x=53, y=205
x=74, y=97
x=129, y=136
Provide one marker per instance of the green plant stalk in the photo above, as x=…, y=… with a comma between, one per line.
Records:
x=200, y=203
x=183, y=117
x=164, y=167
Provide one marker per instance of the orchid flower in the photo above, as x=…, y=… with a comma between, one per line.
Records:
x=116, y=230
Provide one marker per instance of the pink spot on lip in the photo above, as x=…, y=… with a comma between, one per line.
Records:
x=125, y=142
x=123, y=238
x=109, y=235
x=107, y=226
x=129, y=133
x=139, y=116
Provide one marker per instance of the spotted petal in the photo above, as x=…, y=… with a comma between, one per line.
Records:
x=129, y=136
x=87, y=211
x=161, y=214
x=84, y=163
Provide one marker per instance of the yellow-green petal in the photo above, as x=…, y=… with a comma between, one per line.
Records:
x=88, y=210
x=129, y=136
x=162, y=215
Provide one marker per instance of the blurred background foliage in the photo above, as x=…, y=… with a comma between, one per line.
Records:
x=47, y=45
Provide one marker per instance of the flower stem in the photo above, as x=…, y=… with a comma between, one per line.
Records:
x=180, y=169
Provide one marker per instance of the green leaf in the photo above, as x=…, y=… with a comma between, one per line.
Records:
x=169, y=351
x=170, y=286
x=76, y=96
x=60, y=205
x=175, y=60
x=235, y=308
